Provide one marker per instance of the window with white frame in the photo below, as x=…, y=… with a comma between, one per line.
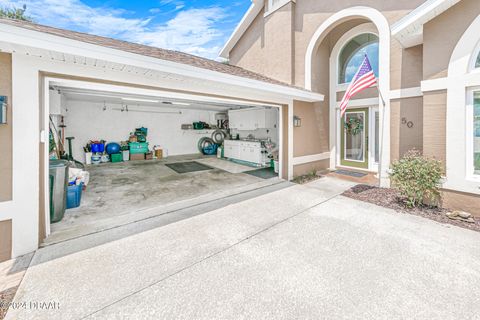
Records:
x=477, y=63
x=353, y=53
x=476, y=133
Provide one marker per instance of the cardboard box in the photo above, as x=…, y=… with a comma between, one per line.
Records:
x=149, y=156
x=137, y=156
x=159, y=153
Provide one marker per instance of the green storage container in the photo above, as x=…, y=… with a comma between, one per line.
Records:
x=116, y=157
x=138, y=147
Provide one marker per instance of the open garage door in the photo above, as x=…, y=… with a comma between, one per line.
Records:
x=131, y=156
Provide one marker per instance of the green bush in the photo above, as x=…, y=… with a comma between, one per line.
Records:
x=417, y=178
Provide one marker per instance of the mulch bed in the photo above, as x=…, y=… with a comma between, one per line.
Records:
x=390, y=198
x=306, y=178
x=6, y=297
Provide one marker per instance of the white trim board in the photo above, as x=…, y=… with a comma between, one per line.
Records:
x=360, y=103
x=311, y=158
x=406, y=93
x=409, y=30
x=35, y=39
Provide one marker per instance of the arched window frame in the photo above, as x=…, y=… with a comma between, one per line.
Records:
x=473, y=67
x=340, y=83
x=367, y=27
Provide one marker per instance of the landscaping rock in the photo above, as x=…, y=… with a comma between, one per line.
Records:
x=390, y=198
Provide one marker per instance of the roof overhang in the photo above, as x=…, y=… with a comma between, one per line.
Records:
x=14, y=37
x=250, y=15
x=409, y=30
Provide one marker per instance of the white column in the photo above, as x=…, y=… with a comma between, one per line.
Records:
x=290, y=140
x=26, y=140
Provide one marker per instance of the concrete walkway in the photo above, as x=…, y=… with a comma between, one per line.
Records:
x=298, y=253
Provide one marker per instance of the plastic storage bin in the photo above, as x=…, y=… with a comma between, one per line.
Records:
x=74, y=196
x=138, y=147
x=116, y=157
x=58, y=172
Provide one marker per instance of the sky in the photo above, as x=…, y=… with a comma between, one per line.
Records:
x=199, y=27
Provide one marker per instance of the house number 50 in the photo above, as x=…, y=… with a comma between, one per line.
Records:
x=408, y=123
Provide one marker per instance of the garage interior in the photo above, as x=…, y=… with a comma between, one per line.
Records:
x=129, y=154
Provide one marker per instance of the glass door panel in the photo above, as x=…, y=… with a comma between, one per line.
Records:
x=354, y=147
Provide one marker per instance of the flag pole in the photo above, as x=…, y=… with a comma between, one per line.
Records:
x=380, y=156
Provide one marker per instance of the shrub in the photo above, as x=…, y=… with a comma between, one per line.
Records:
x=417, y=178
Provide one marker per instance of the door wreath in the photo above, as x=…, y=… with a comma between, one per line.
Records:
x=353, y=126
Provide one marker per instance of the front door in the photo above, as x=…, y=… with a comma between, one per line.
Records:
x=354, y=146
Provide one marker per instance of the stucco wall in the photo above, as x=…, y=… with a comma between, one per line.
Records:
x=406, y=66
x=312, y=137
x=455, y=200
x=434, y=124
x=5, y=240
x=441, y=35
x=6, y=129
x=310, y=14
x=403, y=138
x=266, y=46
x=308, y=168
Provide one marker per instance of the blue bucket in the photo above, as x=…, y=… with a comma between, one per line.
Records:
x=98, y=147
x=74, y=196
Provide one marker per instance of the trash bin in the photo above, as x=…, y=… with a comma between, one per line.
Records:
x=58, y=189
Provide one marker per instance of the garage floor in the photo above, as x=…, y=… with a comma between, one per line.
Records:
x=119, y=189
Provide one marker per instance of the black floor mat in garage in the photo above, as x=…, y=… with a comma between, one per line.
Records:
x=185, y=167
x=264, y=173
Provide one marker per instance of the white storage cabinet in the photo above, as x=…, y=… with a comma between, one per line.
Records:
x=249, y=151
x=252, y=119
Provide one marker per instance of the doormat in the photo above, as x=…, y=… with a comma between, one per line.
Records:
x=264, y=173
x=351, y=173
x=186, y=167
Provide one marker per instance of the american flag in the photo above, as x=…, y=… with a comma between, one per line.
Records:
x=363, y=79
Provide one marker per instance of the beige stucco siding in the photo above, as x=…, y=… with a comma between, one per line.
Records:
x=6, y=129
x=310, y=14
x=5, y=240
x=276, y=45
x=441, y=35
x=312, y=137
x=434, y=124
x=266, y=47
x=308, y=168
x=402, y=137
x=406, y=66
x=455, y=200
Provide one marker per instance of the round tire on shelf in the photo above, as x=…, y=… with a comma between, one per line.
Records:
x=204, y=142
x=218, y=136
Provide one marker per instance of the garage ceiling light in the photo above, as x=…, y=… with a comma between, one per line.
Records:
x=140, y=100
x=176, y=103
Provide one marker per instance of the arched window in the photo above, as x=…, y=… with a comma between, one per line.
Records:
x=477, y=64
x=352, y=54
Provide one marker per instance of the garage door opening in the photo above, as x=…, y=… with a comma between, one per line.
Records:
x=133, y=156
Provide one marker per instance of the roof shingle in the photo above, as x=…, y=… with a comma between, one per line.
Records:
x=154, y=52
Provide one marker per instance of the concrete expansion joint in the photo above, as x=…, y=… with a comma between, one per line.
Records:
x=212, y=255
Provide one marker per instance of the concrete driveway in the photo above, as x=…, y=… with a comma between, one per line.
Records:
x=299, y=253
